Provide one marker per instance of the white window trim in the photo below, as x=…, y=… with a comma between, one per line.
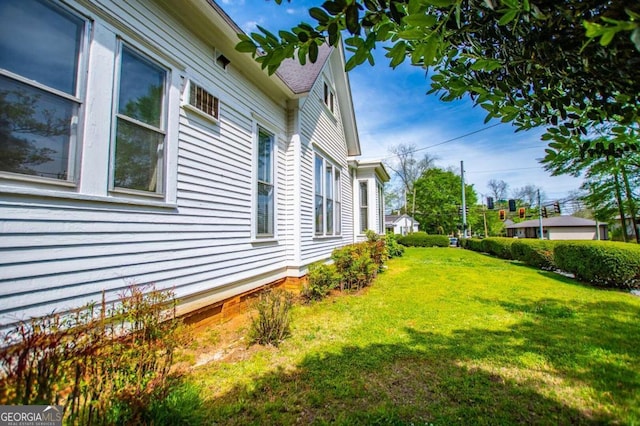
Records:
x=75, y=142
x=368, y=207
x=162, y=182
x=326, y=85
x=261, y=123
x=337, y=196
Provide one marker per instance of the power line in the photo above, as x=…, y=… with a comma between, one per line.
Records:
x=505, y=170
x=447, y=141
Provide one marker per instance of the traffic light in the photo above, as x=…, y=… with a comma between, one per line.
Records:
x=502, y=214
x=544, y=212
x=556, y=207
x=521, y=212
x=490, y=205
x=512, y=205
x=466, y=209
x=459, y=210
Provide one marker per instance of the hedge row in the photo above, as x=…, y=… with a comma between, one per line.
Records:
x=604, y=263
x=600, y=262
x=422, y=239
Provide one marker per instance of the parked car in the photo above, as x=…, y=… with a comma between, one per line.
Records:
x=453, y=242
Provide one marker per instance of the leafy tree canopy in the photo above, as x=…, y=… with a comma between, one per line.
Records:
x=572, y=65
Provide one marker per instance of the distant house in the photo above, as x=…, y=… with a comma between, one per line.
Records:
x=149, y=150
x=558, y=228
x=400, y=224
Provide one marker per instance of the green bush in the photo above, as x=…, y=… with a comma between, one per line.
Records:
x=393, y=248
x=537, y=253
x=605, y=263
x=354, y=266
x=322, y=279
x=422, y=239
x=377, y=249
x=272, y=323
x=106, y=363
x=473, y=244
x=498, y=246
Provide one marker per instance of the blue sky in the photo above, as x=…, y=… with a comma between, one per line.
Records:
x=392, y=107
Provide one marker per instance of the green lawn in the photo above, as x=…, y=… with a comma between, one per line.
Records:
x=444, y=336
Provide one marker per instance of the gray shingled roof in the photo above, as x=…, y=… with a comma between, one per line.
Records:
x=557, y=221
x=300, y=79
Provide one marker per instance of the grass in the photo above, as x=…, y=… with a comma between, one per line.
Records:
x=444, y=336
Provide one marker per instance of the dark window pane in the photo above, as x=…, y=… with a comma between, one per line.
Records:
x=265, y=209
x=318, y=175
x=265, y=157
x=319, y=215
x=137, y=156
x=329, y=217
x=35, y=130
x=141, y=89
x=41, y=42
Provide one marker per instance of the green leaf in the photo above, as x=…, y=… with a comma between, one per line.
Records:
x=319, y=15
x=509, y=16
x=313, y=52
x=635, y=38
x=397, y=54
x=352, y=15
x=412, y=34
x=420, y=20
x=246, y=46
x=440, y=3
x=607, y=37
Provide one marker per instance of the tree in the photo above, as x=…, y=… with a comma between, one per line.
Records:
x=566, y=65
x=528, y=195
x=498, y=189
x=438, y=198
x=406, y=167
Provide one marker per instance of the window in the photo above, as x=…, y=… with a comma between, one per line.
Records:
x=138, y=157
x=364, y=207
x=327, y=198
x=265, y=185
x=328, y=97
x=203, y=101
x=41, y=50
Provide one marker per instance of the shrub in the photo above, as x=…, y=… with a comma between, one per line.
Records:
x=537, y=253
x=422, y=239
x=377, y=249
x=498, y=246
x=393, y=248
x=472, y=244
x=600, y=262
x=273, y=320
x=322, y=279
x=104, y=363
x=354, y=266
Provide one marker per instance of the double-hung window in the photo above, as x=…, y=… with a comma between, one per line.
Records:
x=364, y=207
x=265, y=205
x=328, y=97
x=42, y=47
x=138, y=148
x=380, y=206
x=328, y=208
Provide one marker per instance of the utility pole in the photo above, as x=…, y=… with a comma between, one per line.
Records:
x=484, y=217
x=464, y=203
x=413, y=214
x=540, y=214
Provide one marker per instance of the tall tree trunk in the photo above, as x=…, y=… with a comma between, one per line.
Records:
x=623, y=222
x=633, y=211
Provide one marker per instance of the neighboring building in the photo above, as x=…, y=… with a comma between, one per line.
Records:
x=139, y=147
x=558, y=228
x=400, y=224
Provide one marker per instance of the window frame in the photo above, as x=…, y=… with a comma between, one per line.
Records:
x=256, y=182
x=328, y=97
x=335, y=198
x=363, y=207
x=161, y=184
x=77, y=120
x=187, y=105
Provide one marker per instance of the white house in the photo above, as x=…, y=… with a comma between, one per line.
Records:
x=137, y=146
x=400, y=224
x=559, y=228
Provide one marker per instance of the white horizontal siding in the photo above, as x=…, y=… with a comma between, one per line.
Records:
x=58, y=254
